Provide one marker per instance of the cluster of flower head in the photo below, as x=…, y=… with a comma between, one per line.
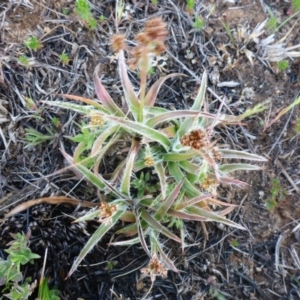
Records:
x=150, y=41
x=196, y=139
x=96, y=121
x=155, y=267
x=106, y=211
x=149, y=161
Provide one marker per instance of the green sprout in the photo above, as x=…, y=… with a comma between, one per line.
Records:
x=65, y=11
x=143, y=185
x=298, y=125
x=110, y=265
x=154, y=2
x=272, y=23
x=235, y=243
x=277, y=194
x=24, y=60
x=296, y=5
x=55, y=121
x=45, y=293
x=83, y=9
x=64, y=58
x=199, y=23
x=33, y=43
x=190, y=4
x=283, y=65
x=19, y=254
x=34, y=137
x=102, y=18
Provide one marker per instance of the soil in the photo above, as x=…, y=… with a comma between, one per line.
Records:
x=260, y=263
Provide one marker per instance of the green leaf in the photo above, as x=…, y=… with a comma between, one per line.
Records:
x=227, y=168
x=160, y=170
x=226, y=153
x=186, y=126
x=176, y=114
x=176, y=157
x=188, y=188
x=163, y=209
x=96, y=237
x=125, y=183
x=141, y=129
x=75, y=107
x=213, y=217
x=98, y=144
x=158, y=226
x=104, y=97
x=130, y=96
x=84, y=100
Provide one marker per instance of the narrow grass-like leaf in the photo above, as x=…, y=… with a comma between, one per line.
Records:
x=89, y=216
x=283, y=111
x=141, y=233
x=126, y=243
x=213, y=217
x=84, y=109
x=176, y=157
x=129, y=230
x=175, y=171
x=168, y=202
x=102, y=138
x=85, y=100
x=158, y=226
x=193, y=201
x=128, y=216
x=125, y=183
x=152, y=93
x=199, y=101
x=189, y=167
x=185, y=215
x=104, y=96
x=96, y=237
x=130, y=96
x=226, y=153
x=227, y=168
x=141, y=129
x=176, y=114
x=229, y=180
x=161, y=172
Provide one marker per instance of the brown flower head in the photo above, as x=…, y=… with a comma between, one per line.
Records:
x=118, y=42
x=151, y=40
x=196, y=139
x=217, y=155
x=106, y=211
x=155, y=267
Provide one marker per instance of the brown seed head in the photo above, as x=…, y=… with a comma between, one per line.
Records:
x=196, y=139
x=118, y=42
x=106, y=211
x=154, y=268
x=217, y=155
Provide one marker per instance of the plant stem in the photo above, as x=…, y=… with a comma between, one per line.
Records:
x=287, y=20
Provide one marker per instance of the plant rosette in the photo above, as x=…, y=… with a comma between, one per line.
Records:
x=177, y=146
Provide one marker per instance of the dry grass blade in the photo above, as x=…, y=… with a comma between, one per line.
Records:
x=49, y=200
